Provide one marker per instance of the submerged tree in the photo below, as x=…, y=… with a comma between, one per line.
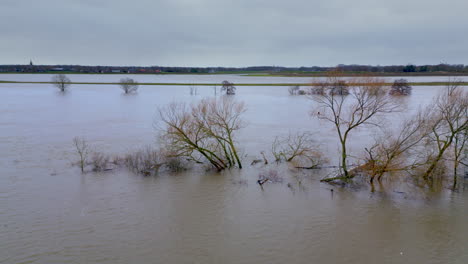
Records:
x=83, y=150
x=205, y=131
x=319, y=88
x=145, y=161
x=293, y=90
x=128, y=85
x=391, y=152
x=228, y=88
x=61, y=81
x=449, y=123
x=400, y=87
x=193, y=90
x=347, y=113
x=300, y=147
x=338, y=87
x=460, y=151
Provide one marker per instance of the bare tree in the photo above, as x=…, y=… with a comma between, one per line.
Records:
x=128, y=85
x=205, y=131
x=347, y=113
x=61, y=81
x=83, y=150
x=228, y=88
x=297, y=146
x=293, y=90
x=391, y=151
x=193, y=90
x=146, y=161
x=448, y=124
x=400, y=87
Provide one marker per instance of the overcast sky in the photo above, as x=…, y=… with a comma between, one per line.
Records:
x=233, y=33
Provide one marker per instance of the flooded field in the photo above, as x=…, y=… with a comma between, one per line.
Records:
x=51, y=213
x=217, y=78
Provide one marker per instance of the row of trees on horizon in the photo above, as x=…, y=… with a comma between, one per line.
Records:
x=410, y=68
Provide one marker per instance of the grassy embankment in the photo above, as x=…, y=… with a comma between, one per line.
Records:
x=356, y=74
x=267, y=73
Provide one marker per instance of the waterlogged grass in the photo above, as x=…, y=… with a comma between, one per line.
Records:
x=355, y=74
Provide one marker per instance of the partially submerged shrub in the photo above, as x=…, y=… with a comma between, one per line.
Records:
x=339, y=87
x=372, y=85
x=293, y=90
x=100, y=161
x=269, y=176
x=400, y=87
x=347, y=113
x=128, y=85
x=396, y=151
x=319, y=88
x=146, y=161
x=299, y=147
x=175, y=164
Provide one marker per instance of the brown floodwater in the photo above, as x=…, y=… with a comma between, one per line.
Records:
x=51, y=213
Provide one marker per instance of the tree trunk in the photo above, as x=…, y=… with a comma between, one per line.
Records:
x=438, y=158
x=343, y=159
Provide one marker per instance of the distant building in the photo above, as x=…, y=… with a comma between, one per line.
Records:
x=30, y=63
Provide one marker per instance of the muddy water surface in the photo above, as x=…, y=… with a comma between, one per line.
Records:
x=51, y=213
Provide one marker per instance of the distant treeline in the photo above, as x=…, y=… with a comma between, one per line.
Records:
x=410, y=69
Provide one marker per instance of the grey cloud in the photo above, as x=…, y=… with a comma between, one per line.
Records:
x=233, y=33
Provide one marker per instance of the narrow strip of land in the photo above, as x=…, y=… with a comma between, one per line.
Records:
x=236, y=84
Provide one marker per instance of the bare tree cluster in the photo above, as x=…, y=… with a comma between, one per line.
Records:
x=319, y=88
x=146, y=161
x=426, y=143
x=61, y=81
x=204, y=131
x=400, y=87
x=129, y=85
x=97, y=160
x=100, y=161
x=391, y=152
x=448, y=126
x=363, y=106
x=228, y=88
